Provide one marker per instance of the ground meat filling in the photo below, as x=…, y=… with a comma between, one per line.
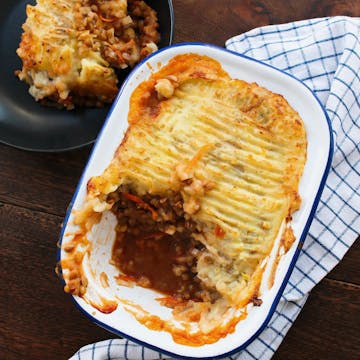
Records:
x=123, y=39
x=154, y=245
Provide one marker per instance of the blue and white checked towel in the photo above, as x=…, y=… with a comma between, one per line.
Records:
x=325, y=54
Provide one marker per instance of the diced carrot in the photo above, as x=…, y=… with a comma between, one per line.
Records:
x=118, y=53
x=141, y=204
x=104, y=19
x=199, y=154
x=219, y=231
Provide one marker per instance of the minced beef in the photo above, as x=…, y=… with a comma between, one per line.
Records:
x=154, y=245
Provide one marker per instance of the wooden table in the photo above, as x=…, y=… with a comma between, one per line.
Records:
x=39, y=321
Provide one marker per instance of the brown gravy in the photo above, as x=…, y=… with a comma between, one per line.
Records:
x=158, y=261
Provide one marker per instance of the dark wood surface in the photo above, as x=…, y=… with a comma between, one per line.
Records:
x=39, y=321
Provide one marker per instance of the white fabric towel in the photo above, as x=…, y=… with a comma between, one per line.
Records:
x=325, y=54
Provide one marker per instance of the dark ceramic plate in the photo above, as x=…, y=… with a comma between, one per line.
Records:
x=26, y=124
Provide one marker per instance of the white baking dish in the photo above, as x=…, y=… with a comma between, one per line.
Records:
x=319, y=154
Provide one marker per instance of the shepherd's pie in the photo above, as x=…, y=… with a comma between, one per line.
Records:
x=71, y=48
x=204, y=179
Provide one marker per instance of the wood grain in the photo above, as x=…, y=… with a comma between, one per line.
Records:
x=39, y=321
x=348, y=270
x=40, y=181
x=214, y=21
x=326, y=327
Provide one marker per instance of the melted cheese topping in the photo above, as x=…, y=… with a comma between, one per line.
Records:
x=243, y=148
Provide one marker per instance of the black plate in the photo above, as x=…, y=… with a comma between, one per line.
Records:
x=26, y=124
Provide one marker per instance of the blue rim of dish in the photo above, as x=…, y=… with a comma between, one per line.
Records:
x=301, y=240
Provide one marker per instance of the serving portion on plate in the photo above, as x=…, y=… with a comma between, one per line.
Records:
x=70, y=49
x=188, y=218
x=70, y=54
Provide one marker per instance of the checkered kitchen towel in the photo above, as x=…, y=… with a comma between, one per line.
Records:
x=325, y=54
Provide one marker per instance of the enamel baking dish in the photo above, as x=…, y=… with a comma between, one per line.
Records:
x=319, y=154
